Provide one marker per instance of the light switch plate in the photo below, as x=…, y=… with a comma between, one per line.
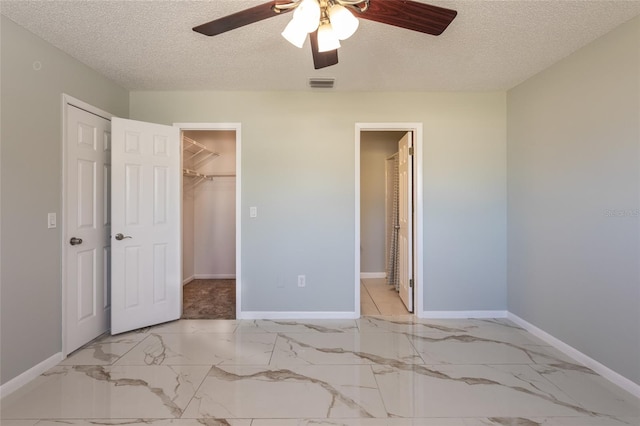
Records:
x=253, y=212
x=51, y=220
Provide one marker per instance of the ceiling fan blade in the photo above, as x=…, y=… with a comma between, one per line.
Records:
x=321, y=59
x=408, y=14
x=242, y=18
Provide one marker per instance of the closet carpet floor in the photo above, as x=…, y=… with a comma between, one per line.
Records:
x=209, y=299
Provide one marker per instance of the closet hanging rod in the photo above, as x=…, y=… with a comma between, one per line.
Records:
x=193, y=173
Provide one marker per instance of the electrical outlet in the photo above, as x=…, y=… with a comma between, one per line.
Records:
x=302, y=280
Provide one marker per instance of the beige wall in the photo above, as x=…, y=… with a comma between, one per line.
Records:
x=574, y=197
x=34, y=75
x=298, y=168
x=188, y=245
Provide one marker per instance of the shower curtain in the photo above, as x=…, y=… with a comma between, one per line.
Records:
x=393, y=225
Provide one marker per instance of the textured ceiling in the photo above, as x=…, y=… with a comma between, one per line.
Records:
x=149, y=45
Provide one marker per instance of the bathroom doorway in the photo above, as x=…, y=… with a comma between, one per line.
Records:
x=388, y=219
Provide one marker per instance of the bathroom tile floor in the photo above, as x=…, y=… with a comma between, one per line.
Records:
x=375, y=371
x=379, y=298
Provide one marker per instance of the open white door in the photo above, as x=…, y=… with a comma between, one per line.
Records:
x=405, y=243
x=145, y=234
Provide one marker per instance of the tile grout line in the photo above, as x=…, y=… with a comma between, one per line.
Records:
x=390, y=298
x=371, y=297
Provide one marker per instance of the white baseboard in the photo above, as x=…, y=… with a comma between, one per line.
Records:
x=365, y=275
x=602, y=370
x=188, y=280
x=461, y=314
x=24, y=378
x=297, y=315
x=214, y=276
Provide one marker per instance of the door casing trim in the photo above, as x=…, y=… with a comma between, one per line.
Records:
x=417, y=130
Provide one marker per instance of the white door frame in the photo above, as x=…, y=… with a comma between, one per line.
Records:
x=416, y=128
x=69, y=100
x=236, y=127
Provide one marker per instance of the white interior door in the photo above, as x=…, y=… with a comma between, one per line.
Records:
x=146, y=259
x=87, y=217
x=405, y=243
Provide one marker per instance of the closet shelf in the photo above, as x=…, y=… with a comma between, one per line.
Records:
x=195, y=152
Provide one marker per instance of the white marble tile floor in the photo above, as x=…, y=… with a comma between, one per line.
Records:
x=375, y=371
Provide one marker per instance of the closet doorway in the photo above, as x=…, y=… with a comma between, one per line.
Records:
x=388, y=252
x=209, y=223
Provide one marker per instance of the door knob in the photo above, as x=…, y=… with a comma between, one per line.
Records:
x=75, y=241
x=121, y=237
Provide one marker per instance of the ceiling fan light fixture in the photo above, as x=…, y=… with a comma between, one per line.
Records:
x=307, y=15
x=327, y=39
x=294, y=34
x=343, y=22
x=329, y=21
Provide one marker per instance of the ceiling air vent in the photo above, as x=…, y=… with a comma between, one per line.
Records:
x=322, y=83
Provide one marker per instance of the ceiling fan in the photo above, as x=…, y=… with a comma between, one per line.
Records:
x=329, y=21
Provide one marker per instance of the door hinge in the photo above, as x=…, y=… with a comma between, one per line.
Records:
x=411, y=150
x=411, y=283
